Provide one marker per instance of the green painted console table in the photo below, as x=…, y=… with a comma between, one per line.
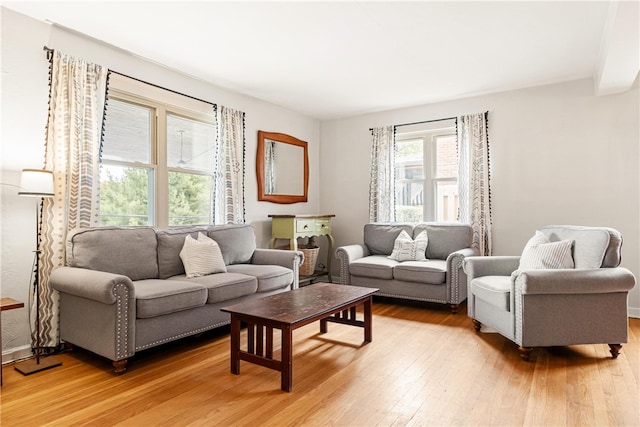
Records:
x=293, y=226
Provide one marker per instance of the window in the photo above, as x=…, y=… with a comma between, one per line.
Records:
x=158, y=158
x=426, y=173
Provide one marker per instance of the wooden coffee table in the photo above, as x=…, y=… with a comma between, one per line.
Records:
x=288, y=311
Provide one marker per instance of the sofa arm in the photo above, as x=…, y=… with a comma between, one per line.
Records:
x=578, y=281
x=97, y=312
x=456, y=277
x=478, y=266
x=285, y=258
x=346, y=255
x=91, y=284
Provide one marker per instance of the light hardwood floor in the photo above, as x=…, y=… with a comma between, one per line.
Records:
x=425, y=366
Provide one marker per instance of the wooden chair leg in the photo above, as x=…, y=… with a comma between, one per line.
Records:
x=525, y=352
x=476, y=325
x=614, y=349
x=454, y=308
x=119, y=366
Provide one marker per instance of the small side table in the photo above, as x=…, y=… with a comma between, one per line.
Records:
x=293, y=226
x=7, y=304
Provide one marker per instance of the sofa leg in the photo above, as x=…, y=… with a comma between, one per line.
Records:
x=525, y=352
x=476, y=325
x=119, y=366
x=614, y=349
x=454, y=308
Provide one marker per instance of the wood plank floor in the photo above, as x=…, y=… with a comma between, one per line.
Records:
x=425, y=366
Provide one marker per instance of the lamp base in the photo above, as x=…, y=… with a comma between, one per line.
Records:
x=30, y=366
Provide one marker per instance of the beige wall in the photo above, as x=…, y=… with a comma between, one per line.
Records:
x=559, y=155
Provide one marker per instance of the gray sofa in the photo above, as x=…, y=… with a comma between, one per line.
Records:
x=439, y=279
x=124, y=289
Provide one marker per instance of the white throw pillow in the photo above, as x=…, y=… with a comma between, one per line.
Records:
x=407, y=249
x=202, y=256
x=541, y=253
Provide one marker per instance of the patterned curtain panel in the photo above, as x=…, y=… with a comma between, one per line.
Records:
x=229, y=202
x=473, y=178
x=382, y=182
x=72, y=152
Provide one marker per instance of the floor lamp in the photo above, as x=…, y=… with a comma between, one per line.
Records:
x=37, y=183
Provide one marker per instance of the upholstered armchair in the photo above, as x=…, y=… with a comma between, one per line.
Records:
x=566, y=289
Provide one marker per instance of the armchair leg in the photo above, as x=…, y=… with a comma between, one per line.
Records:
x=454, y=308
x=476, y=325
x=119, y=366
x=614, y=349
x=525, y=352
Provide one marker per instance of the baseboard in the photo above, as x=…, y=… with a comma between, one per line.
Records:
x=633, y=312
x=16, y=353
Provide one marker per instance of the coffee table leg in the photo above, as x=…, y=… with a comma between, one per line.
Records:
x=368, y=333
x=286, y=375
x=235, y=345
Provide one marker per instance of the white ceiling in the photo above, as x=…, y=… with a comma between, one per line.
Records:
x=338, y=59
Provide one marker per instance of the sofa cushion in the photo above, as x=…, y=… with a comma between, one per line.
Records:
x=407, y=249
x=155, y=297
x=127, y=251
x=237, y=242
x=377, y=266
x=270, y=277
x=495, y=290
x=170, y=243
x=223, y=286
x=591, y=244
x=380, y=238
x=445, y=238
x=433, y=272
x=201, y=256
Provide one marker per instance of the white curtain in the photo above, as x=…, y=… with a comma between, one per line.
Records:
x=473, y=178
x=229, y=202
x=72, y=152
x=382, y=180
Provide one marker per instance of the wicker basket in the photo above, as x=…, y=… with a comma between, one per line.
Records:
x=308, y=266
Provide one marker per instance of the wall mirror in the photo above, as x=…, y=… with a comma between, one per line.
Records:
x=282, y=166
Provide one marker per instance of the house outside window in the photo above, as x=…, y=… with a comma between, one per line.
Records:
x=426, y=171
x=158, y=158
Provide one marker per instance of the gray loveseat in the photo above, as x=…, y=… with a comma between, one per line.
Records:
x=125, y=289
x=439, y=279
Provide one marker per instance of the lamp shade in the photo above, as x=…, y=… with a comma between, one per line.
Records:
x=36, y=183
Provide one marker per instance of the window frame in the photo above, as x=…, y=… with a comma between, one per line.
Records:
x=162, y=103
x=429, y=180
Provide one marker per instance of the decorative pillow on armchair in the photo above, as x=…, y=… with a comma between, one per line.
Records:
x=541, y=253
x=407, y=249
x=202, y=256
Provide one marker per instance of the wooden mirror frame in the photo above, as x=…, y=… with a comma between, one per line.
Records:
x=260, y=168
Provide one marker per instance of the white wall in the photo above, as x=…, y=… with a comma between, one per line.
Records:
x=559, y=155
x=24, y=113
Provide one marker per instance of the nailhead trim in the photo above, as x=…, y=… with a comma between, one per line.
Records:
x=121, y=292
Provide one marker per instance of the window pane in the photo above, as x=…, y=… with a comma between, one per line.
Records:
x=447, y=201
x=409, y=159
x=190, y=198
x=447, y=161
x=190, y=144
x=409, y=201
x=125, y=196
x=127, y=135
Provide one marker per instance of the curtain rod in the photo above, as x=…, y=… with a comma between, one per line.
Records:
x=424, y=121
x=49, y=57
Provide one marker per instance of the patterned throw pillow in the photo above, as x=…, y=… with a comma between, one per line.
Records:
x=407, y=249
x=202, y=256
x=541, y=253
